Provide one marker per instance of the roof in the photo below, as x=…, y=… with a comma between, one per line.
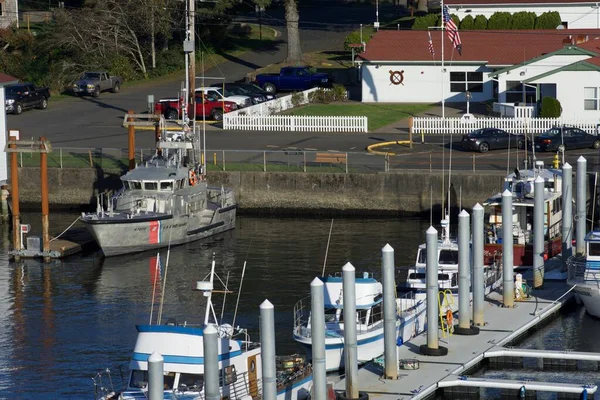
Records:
x=494, y=48
x=493, y=3
x=7, y=79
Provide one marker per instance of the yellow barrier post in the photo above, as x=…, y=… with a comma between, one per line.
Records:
x=215, y=158
x=410, y=130
x=422, y=137
x=556, y=161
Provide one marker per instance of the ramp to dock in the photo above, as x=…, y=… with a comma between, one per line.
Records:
x=464, y=381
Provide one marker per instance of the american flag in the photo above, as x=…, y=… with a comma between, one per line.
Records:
x=431, y=50
x=452, y=30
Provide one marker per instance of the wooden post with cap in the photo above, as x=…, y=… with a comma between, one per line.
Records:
x=14, y=192
x=131, y=131
x=44, y=189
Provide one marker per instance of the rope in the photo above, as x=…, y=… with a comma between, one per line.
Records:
x=63, y=232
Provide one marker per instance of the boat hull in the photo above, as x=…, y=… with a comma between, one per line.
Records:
x=590, y=297
x=522, y=254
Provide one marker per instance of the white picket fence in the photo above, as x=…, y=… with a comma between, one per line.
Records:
x=306, y=123
x=434, y=125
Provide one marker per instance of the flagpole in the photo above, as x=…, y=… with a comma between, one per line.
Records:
x=443, y=73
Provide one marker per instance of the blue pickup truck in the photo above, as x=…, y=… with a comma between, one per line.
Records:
x=293, y=78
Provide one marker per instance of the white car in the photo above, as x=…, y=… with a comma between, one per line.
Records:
x=217, y=94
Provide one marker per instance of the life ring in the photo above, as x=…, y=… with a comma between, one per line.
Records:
x=449, y=317
x=193, y=178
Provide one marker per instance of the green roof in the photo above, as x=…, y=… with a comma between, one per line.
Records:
x=580, y=66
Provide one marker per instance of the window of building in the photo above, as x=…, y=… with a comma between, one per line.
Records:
x=591, y=98
x=466, y=81
x=514, y=92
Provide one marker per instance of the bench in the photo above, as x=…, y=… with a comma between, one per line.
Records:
x=332, y=158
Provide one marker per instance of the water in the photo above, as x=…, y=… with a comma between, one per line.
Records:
x=62, y=322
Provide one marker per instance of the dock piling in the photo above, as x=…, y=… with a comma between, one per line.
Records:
x=580, y=203
x=350, y=349
x=538, y=232
x=14, y=193
x=508, y=283
x=389, y=312
x=317, y=331
x=464, y=281
x=155, y=377
x=45, y=206
x=4, y=202
x=267, y=344
x=211, y=363
x=478, y=280
x=567, y=219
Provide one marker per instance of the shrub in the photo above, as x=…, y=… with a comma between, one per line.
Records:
x=339, y=92
x=500, y=20
x=321, y=96
x=468, y=23
x=551, y=108
x=354, y=37
x=480, y=22
x=426, y=21
x=168, y=61
x=297, y=99
x=523, y=20
x=548, y=20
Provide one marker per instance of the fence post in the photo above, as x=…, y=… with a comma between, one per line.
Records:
x=60, y=155
x=473, y=162
x=430, y=161
x=21, y=160
x=264, y=161
x=411, y=123
x=223, y=160
x=346, y=162
x=91, y=162
x=215, y=158
x=304, y=155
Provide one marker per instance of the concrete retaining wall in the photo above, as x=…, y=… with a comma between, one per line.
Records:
x=404, y=192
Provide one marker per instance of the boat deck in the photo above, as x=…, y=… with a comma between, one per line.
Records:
x=502, y=325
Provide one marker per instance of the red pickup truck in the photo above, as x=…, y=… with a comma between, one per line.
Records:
x=171, y=108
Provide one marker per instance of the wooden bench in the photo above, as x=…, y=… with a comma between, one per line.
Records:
x=331, y=158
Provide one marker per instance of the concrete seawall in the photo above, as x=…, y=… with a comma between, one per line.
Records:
x=392, y=193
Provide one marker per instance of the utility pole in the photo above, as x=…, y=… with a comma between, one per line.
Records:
x=192, y=55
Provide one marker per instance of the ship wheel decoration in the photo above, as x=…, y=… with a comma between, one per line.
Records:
x=397, y=77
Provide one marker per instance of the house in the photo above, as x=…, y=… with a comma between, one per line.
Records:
x=575, y=14
x=9, y=13
x=504, y=66
x=4, y=80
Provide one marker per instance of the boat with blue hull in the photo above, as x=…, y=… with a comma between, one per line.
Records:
x=584, y=274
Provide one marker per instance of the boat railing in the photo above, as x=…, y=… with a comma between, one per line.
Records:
x=301, y=315
x=110, y=381
x=578, y=271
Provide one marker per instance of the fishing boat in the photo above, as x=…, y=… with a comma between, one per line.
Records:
x=165, y=200
x=369, y=320
x=584, y=274
x=181, y=346
x=521, y=184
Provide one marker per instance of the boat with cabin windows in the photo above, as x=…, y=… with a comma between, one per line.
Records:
x=584, y=274
x=521, y=184
x=165, y=200
x=410, y=320
x=182, y=348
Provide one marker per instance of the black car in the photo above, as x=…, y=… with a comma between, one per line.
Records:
x=566, y=137
x=486, y=139
x=237, y=89
x=22, y=96
x=251, y=87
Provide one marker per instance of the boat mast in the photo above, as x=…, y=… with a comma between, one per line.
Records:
x=208, y=294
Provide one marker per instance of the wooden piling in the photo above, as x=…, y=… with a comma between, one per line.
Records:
x=14, y=191
x=44, y=189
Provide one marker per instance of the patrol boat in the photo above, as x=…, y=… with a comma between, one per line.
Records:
x=165, y=200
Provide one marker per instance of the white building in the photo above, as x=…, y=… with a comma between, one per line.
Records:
x=9, y=13
x=507, y=67
x=4, y=80
x=575, y=14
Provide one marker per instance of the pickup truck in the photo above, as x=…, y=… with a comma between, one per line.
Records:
x=293, y=78
x=227, y=95
x=210, y=107
x=94, y=83
x=21, y=96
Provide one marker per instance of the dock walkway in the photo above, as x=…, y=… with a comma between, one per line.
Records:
x=502, y=325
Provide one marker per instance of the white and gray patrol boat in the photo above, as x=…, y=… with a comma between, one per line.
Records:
x=163, y=201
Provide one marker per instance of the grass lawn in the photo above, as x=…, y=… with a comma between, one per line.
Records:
x=378, y=114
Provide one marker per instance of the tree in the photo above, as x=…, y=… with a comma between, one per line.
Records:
x=523, y=20
x=548, y=20
x=294, y=51
x=426, y=21
x=480, y=22
x=551, y=108
x=500, y=21
x=468, y=23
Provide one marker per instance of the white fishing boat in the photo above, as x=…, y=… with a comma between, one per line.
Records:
x=369, y=320
x=181, y=346
x=584, y=274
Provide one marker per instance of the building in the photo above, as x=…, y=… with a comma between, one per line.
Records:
x=4, y=80
x=503, y=66
x=9, y=13
x=575, y=14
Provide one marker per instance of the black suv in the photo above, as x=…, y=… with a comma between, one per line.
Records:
x=21, y=96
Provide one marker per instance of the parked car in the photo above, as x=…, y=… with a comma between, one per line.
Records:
x=210, y=107
x=218, y=94
x=238, y=90
x=293, y=78
x=22, y=96
x=253, y=88
x=486, y=139
x=561, y=138
x=94, y=83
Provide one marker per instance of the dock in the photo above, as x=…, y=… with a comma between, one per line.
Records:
x=432, y=374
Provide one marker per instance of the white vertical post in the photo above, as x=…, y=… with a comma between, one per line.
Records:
x=508, y=290
x=3, y=138
x=317, y=329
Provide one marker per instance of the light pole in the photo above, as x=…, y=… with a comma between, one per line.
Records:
x=468, y=96
x=377, y=15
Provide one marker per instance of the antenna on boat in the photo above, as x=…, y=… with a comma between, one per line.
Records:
x=327, y=249
x=225, y=294
x=241, y=282
x=162, y=297
x=206, y=288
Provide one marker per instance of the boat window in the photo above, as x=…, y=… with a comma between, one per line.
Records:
x=594, y=248
x=422, y=256
x=135, y=185
x=169, y=380
x=330, y=315
x=166, y=186
x=376, y=313
x=227, y=375
x=191, y=382
x=139, y=379
x=448, y=257
x=416, y=276
x=180, y=184
x=362, y=317
x=150, y=185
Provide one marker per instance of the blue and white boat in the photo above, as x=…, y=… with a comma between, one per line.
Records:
x=584, y=274
x=369, y=320
x=181, y=346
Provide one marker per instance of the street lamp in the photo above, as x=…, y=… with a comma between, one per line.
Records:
x=468, y=96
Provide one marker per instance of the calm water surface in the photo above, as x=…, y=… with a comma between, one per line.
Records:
x=62, y=322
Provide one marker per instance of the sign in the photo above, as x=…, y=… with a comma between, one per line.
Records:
x=14, y=132
x=397, y=77
x=25, y=228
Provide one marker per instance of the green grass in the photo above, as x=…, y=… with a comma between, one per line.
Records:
x=378, y=114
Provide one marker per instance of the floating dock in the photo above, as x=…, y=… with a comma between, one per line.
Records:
x=434, y=374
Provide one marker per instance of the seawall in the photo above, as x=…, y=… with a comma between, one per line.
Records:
x=405, y=192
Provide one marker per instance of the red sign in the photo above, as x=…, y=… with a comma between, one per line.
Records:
x=25, y=228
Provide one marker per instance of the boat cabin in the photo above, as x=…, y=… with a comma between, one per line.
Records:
x=447, y=263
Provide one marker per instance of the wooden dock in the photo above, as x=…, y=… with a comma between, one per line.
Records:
x=72, y=242
x=502, y=325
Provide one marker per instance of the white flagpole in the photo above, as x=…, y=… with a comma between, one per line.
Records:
x=443, y=70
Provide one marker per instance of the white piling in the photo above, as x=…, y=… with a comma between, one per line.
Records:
x=389, y=312
x=317, y=330
x=155, y=377
x=567, y=217
x=580, y=204
x=211, y=363
x=267, y=344
x=464, y=283
x=478, y=279
x=508, y=290
x=350, y=349
x=538, y=232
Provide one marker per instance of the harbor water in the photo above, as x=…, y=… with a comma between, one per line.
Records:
x=64, y=321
